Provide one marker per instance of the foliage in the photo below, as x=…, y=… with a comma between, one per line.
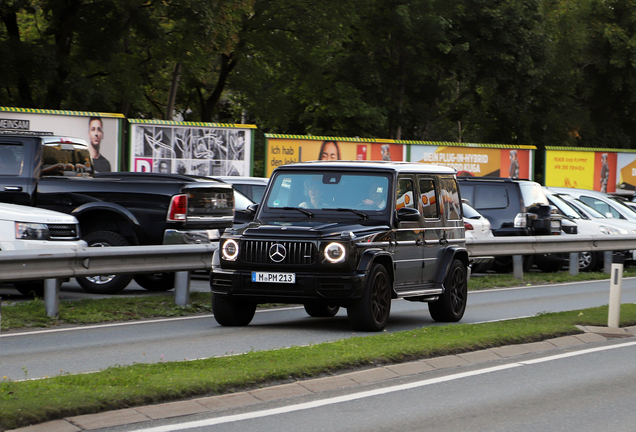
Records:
x=539, y=72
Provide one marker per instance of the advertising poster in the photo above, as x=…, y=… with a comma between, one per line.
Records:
x=626, y=171
x=286, y=149
x=477, y=160
x=207, y=149
x=594, y=169
x=102, y=131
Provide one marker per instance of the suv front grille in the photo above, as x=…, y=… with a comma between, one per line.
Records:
x=64, y=231
x=258, y=252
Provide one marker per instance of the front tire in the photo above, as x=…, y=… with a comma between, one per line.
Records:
x=108, y=284
x=321, y=311
x=232, y=313
x=587, y=261
x=371, y=311
x=451, y=305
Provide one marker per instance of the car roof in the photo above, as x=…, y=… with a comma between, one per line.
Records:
x=578, y=191
x=243, y=180
x=410, y=167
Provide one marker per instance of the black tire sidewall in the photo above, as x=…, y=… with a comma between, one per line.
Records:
x=119, y=282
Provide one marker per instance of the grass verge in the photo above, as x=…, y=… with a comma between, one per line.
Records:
x=36, y=401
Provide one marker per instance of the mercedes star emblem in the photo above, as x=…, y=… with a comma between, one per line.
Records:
x=277, y=252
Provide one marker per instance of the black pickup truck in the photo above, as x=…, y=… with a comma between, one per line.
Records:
x=113, y=209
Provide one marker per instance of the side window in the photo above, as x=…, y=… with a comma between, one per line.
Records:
x=490, y=197
x=429, y=199
x=600, y=206
x=10, y=159
x=450, y=199
x=404, y=196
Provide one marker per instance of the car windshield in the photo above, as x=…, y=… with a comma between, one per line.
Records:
x=588, y=210
x=469, y=212
x=627, y=209
x=564, y=207
x=328, y=191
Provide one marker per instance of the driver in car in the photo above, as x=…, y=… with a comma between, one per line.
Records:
x=377, y=196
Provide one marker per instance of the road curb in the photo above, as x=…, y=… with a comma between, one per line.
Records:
x=122, y=417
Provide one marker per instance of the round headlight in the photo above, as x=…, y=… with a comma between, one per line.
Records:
x=230, y=250
x=335, y=253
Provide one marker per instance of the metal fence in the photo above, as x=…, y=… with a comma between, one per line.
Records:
x=182, y=259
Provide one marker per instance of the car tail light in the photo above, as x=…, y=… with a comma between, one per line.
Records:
x=521, y=220
x=178, y=208
x=468, y=226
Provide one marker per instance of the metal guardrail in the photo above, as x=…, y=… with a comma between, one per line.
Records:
x=565, y=243
x=89, y=261
x=62, y=263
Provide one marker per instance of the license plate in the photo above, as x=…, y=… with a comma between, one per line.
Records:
x=273, y=277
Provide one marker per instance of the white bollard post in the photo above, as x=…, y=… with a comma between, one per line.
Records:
x=616, y=278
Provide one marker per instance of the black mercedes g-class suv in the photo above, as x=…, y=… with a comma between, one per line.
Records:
x=347, y=234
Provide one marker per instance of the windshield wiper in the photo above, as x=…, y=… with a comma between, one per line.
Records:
x=358, y=212
x=302, y=210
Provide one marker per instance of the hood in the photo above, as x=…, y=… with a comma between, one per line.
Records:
x=20, y=213
x=305, y=230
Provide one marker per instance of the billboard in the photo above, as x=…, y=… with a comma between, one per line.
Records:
x=286, y=149
x=207, y=149
x=605, y=170
x=477, y=160
x=101, y=130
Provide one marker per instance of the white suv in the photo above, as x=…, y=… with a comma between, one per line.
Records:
x=31, y=228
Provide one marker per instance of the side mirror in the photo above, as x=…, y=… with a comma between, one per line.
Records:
x=408, y=214
x=251, y=209
x=609, y=215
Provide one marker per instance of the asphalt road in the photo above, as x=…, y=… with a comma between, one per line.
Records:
x=34, y=354
x=589, y=389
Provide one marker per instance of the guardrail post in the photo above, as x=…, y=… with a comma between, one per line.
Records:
x=614, y=310
x=517, y=266
x=182, y=288
x=52, y=297
x=607, y=262
x=574, y=268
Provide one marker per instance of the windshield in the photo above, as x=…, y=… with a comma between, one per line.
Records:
x=623, y=206
x=328, y=191
x=564, y=207
x=532, y=194
x=589, y=211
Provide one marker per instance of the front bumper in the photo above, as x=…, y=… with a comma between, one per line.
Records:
x=310, y=287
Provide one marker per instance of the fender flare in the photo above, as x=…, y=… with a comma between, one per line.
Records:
x=121, y=211
x=370, y=256
x=450, y=254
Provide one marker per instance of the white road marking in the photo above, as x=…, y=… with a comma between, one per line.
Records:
x=372, y=393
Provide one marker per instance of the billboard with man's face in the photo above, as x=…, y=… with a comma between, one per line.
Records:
x=101, y=130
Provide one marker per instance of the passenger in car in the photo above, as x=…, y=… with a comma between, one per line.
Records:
x=314, y=192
